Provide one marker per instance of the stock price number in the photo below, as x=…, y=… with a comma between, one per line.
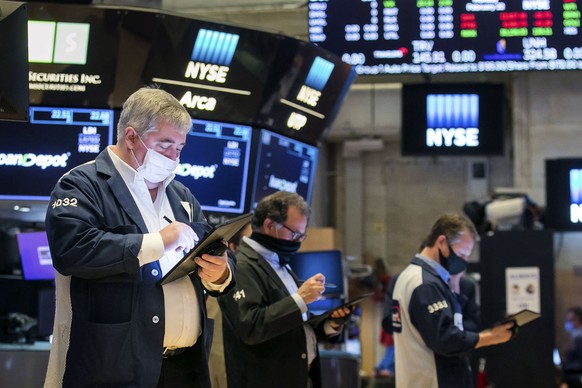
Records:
x=540, y=54
x=99, y=116
x=573, y=53
x=61, y=114
x=428, y=57
x=354, y=58
x=463, y=56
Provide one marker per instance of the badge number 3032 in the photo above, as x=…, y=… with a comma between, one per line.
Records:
x=64, y=202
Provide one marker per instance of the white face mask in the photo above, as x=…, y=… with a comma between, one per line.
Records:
x=156, y=167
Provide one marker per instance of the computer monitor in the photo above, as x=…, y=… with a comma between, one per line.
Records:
x=283, y=164
x=214, y=165
x=35, y=256
x=452, y=119
x=35, y=154
x=564, y=194
x=330, y=264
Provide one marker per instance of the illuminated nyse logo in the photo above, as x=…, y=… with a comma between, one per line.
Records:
x=311, y=91
x=576, y=196
x=211, y=56
x=452, y=120
x=58, y=42
x=315, y=82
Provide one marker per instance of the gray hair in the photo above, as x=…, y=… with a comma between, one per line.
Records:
x=145, y=108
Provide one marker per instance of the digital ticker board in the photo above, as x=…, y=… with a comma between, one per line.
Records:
x=446, y=36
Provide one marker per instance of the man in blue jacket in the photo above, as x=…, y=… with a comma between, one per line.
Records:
x=115, y=227
x=431, y=343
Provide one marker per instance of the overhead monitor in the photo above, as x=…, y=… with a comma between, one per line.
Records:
x=452, y=119
x=72, y=54
x=283, y=164
x=214, y=165
x=564, y=194
x=432, y=37
x=13, y=61
x=34, y=155
x=35, y=256
x=306, y=87
x=216, y=71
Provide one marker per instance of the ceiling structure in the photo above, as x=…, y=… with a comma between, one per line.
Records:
x=288, y=17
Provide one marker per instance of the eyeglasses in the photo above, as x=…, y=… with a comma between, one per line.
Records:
x=295, y=235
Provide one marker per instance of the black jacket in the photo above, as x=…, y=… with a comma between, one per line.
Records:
x=264, y=339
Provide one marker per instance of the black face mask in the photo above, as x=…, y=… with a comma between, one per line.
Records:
x=283, y=248
x=453, y=263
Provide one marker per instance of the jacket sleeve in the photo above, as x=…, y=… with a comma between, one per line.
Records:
x=387, y=318
x=232, y=266
x=257, y=309
x=82, y=243
x=432, y=313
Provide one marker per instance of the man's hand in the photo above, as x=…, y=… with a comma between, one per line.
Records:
x=339, y=316
x=178, y=236
x=213, y=269
x=312, y=288
x=496, y=335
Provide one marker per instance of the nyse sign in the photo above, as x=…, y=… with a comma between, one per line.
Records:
x=452, y=137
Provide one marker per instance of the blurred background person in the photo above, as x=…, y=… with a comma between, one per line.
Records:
x=571, y=365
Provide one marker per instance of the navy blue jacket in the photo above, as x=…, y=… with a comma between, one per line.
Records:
x=109, y=326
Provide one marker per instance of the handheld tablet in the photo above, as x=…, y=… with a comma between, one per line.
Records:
x=211, y=244
x=521, y=318
x=349, y=303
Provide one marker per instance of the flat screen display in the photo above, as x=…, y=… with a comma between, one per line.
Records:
x=445, y=36
x=13, y=61
x=329, y=263
x=72, y=54
x=283, y=164
x=214, y=165
x=216, y=71
x=452, y=119
x=34, y=155
x=564, y=194
x=35, y=256
x=305, y=89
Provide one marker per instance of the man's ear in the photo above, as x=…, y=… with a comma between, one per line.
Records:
x=268, y=224
x=130, y=137
x=442, y=239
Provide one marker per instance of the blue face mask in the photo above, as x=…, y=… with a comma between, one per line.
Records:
x=569, y=327
x=453, y=263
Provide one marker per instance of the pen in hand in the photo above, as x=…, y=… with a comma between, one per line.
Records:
x=327, y=285
x=169, y=221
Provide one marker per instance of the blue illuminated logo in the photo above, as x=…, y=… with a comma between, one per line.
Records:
x=319, y=73
x=452, y=110
x=214, y=47
x=576, y=186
